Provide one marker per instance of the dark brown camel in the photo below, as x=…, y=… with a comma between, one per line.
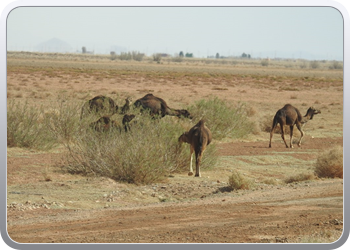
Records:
x=199, y=136
x=290, y=116
x=126, y=121
x=158, y=107
x=98, y=104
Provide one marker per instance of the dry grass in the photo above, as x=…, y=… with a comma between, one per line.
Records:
x=300, y=177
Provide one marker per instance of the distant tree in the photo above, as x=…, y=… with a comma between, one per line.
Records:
x=217, y=56
x=181, y=54
x=113, y=55
x=83, y=49
x=244, y=55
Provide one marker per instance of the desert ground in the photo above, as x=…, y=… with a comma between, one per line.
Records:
x=73, y=208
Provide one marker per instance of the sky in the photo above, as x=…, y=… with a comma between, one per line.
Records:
x=314, y=33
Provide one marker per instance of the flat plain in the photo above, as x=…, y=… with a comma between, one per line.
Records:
x=182, y=209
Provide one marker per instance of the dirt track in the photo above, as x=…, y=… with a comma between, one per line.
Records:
x=268, y=214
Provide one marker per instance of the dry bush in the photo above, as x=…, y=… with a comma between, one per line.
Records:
x=330, y=164
x=237, y=181
x=148, y=153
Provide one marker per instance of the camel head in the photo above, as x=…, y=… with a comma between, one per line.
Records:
x=183, y=137
x=184, y=113
x=312, y=111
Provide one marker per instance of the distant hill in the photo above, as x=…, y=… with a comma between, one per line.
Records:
x=54, y=45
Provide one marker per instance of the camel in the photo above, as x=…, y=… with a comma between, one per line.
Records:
x=157, y=106
x=199, y=136
x=290, y=116
x=126, y=106
x=126, y=121
x=104, y=124
x=99, y=103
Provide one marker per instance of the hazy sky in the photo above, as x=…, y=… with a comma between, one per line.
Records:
x=307, y=32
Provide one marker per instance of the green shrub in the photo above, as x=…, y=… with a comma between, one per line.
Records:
x=330, y=164
x=146, y=154
x=25, y=127
x=223, y=119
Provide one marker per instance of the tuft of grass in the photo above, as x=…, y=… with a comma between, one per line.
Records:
x=330, y=164
x=237, y=181
x=223, y=119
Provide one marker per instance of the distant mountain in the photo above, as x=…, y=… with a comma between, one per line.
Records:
x=54, y=45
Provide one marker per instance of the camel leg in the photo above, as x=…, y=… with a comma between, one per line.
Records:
x=271, y=134
x=282, y=135
x=302, y=134
x=191, y=158
x=291, y=136
x=198, y=161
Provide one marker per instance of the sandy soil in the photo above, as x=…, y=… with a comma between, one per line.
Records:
x=184, y=209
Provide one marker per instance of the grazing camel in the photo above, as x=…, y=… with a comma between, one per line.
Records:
x=104, y=124
x=199, y=136
x=99, y=103
x=290, y=116
x=126, y=121
x=157, y=106
x=126, y=106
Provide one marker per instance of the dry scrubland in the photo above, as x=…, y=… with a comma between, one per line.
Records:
x=247, y=192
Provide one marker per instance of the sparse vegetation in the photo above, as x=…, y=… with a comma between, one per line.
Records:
x=300, y=177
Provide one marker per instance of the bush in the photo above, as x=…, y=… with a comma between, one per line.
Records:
x=314, y=64
x=146, y=154
x=25, y=129
x=223, y=119
x=265, y=63
x=330, y=164
x=237, y=181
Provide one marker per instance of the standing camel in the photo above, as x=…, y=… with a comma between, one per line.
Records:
x=199, y=136
x=98, y=104
x=290, y=116
x=157, y=106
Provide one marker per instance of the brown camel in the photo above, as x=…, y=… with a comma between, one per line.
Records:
x=199, y=136
x=104, y=124
x=126, y=121
x=290, y=116
x=126, y=106
x=158, y=107
x=98, y=104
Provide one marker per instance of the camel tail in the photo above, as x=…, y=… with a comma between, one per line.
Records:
x=275, y=121
x=201, y=136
